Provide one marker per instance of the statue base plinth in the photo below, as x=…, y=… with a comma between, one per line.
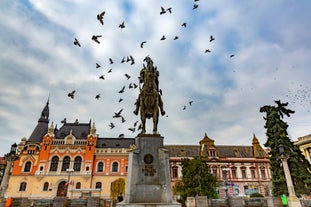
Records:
x=148, y=179
x=148, y=204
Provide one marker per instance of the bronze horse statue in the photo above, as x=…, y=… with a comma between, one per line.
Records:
x=149, y=100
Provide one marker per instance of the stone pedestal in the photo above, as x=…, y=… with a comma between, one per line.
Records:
x=148, y=179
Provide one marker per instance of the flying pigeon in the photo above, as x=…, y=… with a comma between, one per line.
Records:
x=100, y=17
x=163, y=11
x=122, y=25
x=111, y=125
x=71, y=94
x=122, y=90
x=211, y=38
x=76, y=42
x=142, y=44
x=95, y=38
x=127, y=76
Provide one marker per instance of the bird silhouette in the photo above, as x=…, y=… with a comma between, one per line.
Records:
x=135, y=85
x=142, y=44
x=135, y=123
x=163, y=11
x=100, y=17
x=163, y=38
x=123, y=60
x=110, y=70
x=110, y=61
x=231, y=56
x=132, y=129
x=176, y=37
x=190, y=103
x=95, y=38
x=122, y=90
x=97, y=65
x=195, y=6
x=184, y=108
x=120, y=100
x=121, y=135
x=184, y=24
x=211, y=38
x=123, y=119
x=97, y=96
x=71, y=94
x=76, y=42
x=127, y=76
x=169, y=10
x=64, y=121
x=122, y=26
x=207, y=50
x=117, y=114
x=111, y=125
x=102, y=77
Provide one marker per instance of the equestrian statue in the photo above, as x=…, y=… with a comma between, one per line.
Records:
x=149, y=99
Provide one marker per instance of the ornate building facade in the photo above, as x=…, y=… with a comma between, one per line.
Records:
x=304, y=144
x=74, y=161
x=241, y=170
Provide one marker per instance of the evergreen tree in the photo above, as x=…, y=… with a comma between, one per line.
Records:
x=277, y=135
x=196, y=179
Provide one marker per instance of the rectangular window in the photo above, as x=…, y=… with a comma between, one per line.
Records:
x=253, y=172
x=175, y=173
x=263, y=173
x=233, y=171
x=243, y=173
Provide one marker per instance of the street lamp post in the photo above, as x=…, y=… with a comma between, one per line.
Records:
x=293, y=201
x=69, y=170
x=10, y=158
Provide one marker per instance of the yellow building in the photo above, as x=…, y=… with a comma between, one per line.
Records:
x=304, y=144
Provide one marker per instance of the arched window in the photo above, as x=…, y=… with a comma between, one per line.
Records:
x=27, y=166
x=78, y=185
x=23, y=186
x=77, y=164
x=115, y=167
x=98, y=185
x=66, y=163
x=45, y=186
x=54, y=163
x=100, y=167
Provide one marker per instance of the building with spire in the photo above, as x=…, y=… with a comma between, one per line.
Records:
x=73, y=161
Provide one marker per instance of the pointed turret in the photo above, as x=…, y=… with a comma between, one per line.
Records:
x=257, y=149
x=42, y=126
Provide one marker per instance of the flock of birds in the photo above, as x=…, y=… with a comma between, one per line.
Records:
x=129, y=59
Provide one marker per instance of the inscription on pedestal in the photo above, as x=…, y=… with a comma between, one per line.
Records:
x=148, y=168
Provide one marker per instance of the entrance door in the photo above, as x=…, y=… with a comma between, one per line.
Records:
x=62, y=189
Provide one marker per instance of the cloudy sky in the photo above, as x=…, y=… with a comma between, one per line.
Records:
x=270, y=41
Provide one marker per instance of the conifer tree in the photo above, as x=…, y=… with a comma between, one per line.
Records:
x=277, y=135
x=196, y=179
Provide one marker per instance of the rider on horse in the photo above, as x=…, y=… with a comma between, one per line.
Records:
x=142, y=79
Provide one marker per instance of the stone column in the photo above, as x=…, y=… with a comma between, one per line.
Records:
x=293, y=201
x=6, y=176
x=308, y=154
